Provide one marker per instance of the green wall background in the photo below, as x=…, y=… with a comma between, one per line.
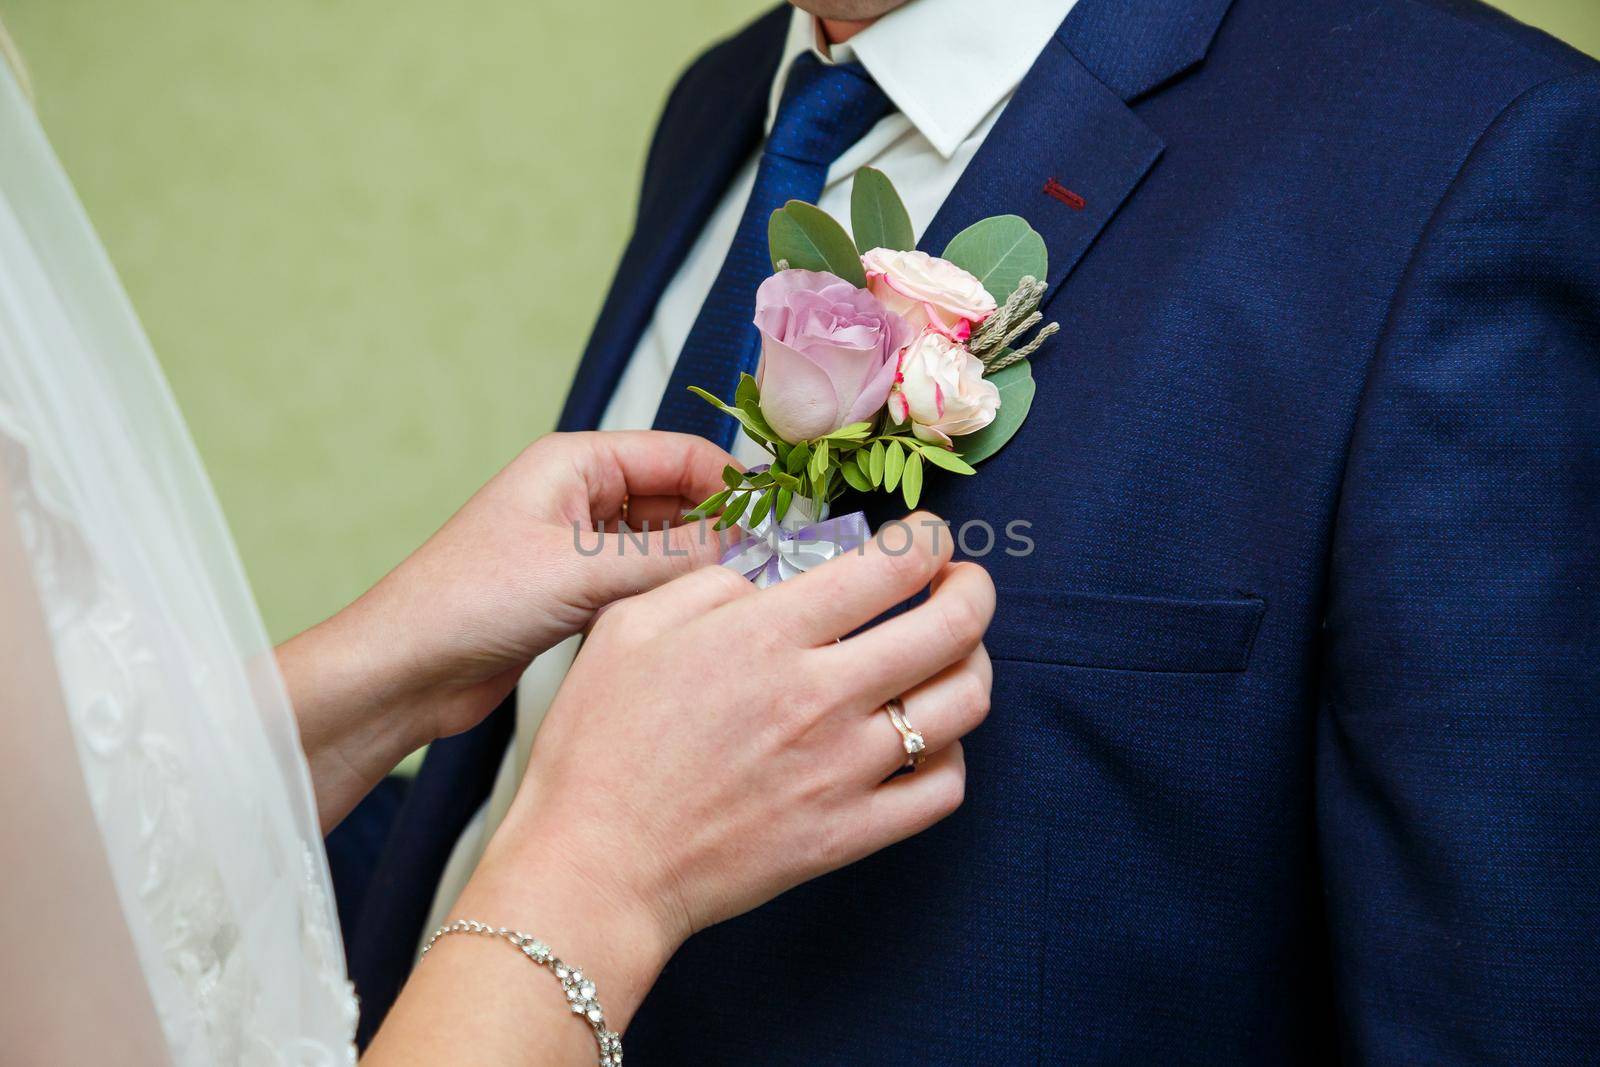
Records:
x=368, y=237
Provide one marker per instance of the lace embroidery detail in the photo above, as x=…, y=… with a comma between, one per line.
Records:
x=119, y=700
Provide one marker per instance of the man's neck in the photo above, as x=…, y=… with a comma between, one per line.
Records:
x=838, y=31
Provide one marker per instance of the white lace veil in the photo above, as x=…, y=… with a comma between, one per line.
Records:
x=181, y=736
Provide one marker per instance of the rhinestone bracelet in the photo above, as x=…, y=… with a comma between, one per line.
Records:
x=580, y=990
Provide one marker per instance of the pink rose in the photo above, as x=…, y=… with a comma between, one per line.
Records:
x=928, y=292
x=941, y=390
x=828, y=353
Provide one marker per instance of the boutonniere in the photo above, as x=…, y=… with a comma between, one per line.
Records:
x=876, y=369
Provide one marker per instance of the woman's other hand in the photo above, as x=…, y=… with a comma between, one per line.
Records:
x=715, y=745
x=438, y=643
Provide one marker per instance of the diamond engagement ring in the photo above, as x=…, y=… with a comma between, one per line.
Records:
x=916, y=747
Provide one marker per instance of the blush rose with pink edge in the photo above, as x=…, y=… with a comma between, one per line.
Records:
x=928, y=292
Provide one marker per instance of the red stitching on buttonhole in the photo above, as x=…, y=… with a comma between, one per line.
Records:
x=1065, y=195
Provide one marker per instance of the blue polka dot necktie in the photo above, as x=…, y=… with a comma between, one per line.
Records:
x=824, y=110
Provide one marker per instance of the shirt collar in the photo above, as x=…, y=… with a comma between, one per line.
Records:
x=944, y=63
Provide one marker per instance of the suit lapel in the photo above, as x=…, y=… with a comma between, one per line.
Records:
x=1068, y=151
x=1062, y=127
x=1069, y=123
x=1134, y=46
x=712, y=125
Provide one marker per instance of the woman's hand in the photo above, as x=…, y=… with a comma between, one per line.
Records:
x=715, y=745
x=440, y=641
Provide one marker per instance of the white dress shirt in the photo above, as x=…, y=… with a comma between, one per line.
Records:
x=949, y=67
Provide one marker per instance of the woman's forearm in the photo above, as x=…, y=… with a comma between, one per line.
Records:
x=372, y=685
x=357, y=716
x=476, y=999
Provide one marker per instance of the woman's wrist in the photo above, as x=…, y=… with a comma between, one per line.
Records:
x=529, y=881
x=358, y=703
x=532, y=879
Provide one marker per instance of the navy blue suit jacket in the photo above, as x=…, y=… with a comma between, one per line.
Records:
x=1295, y=749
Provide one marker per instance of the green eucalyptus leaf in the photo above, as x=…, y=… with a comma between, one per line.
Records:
x=943, y=457
x=732, y=476
x=894, y=463
x=876, y=459
x=863, y=461
x=809, y=239
x=911, y=480
x=787, y=245
x=1016, y=397
x=785, y=498
x=1000, y=252
x=858, y=481
x=878, y=217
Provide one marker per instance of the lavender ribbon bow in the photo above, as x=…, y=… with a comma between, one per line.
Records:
x=775, y=552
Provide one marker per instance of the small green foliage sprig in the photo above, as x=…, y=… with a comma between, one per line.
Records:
x=864, y=456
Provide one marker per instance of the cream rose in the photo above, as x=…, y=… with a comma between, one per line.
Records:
x=927, y=292
x=940, y=389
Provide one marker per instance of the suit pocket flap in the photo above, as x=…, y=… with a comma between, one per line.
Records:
x=1126, y=632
